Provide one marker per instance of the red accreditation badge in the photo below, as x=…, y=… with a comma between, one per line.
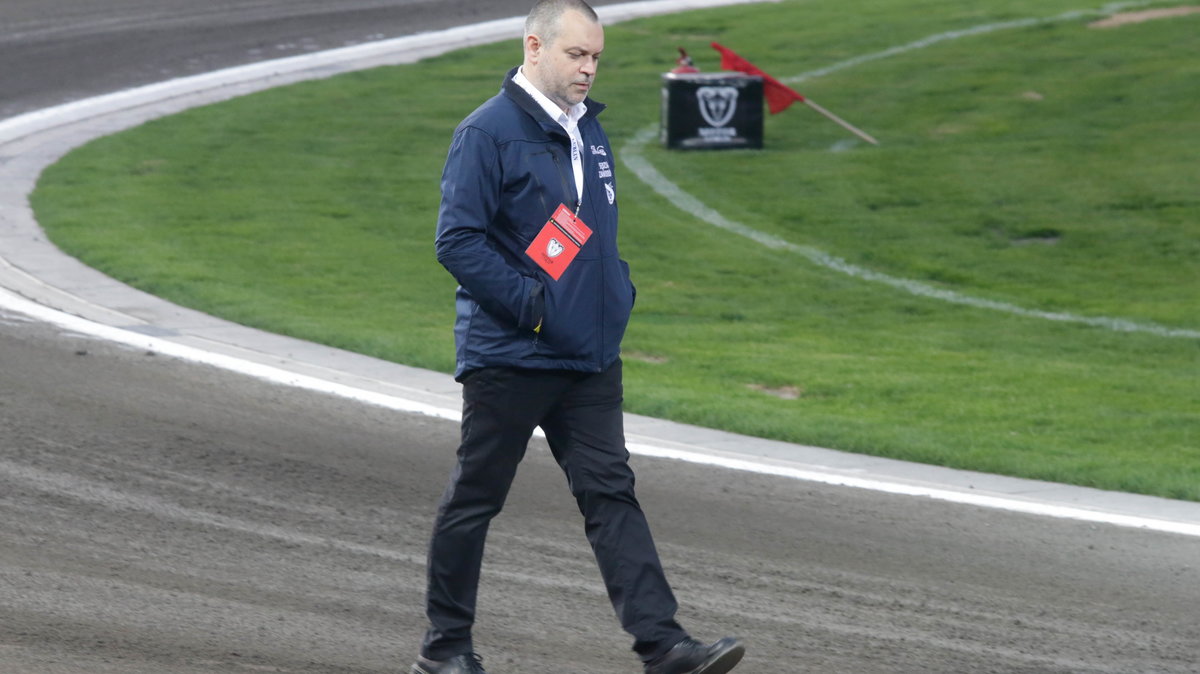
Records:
x=558, y=242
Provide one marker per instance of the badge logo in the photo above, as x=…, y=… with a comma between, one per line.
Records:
x=611, y=192
x=554, y=248
x=717, y=104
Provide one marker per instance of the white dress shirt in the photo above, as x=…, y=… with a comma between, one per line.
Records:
x=569, y=121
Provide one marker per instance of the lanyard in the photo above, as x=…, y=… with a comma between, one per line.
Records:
x=577, y=165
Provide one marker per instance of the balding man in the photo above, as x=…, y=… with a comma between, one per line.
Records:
x=528, y=228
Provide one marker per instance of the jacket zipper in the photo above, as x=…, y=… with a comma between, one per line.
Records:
x=566, y=185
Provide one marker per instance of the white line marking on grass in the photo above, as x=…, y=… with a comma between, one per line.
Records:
x=1112, y=8
x=633, y=158
x=636, y=161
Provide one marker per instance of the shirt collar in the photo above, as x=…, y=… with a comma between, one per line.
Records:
x=569, y=120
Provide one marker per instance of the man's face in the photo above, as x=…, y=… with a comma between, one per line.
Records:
x=565, y=70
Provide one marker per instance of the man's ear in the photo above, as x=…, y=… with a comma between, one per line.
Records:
x=533, y=48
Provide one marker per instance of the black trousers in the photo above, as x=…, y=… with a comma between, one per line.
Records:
x=581, y=416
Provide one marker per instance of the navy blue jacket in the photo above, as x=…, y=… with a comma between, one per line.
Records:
x=507, y=171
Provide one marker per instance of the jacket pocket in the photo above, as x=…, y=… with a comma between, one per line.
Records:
x=571, y=323
x=489, y=338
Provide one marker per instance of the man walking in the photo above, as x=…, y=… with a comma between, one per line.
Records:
x=528, y=228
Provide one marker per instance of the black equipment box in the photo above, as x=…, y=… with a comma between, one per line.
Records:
x=711, y=111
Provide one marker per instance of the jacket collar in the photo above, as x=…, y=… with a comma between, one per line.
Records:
x=531, y=107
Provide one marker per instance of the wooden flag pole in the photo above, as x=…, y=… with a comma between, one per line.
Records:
x=841, y=122
x=731, y=61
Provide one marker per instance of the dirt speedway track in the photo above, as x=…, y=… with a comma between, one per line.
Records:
x=159, y=517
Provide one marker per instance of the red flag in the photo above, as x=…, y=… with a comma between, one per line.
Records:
x=779, y=95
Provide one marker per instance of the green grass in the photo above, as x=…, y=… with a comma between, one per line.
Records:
x=1050, y=166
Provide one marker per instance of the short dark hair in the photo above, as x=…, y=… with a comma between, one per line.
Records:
x=545, y=17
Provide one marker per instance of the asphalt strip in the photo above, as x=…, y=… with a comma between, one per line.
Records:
x=39, y=281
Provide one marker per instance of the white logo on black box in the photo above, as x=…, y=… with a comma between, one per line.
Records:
x=717, y=104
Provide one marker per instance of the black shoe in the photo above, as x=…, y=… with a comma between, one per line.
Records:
x=468, y=663
x=692, y=657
